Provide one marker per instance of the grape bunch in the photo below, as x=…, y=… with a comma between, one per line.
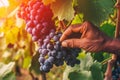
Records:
x=52, y=53
x=116, y=71
x=38, y=18
x=40, y=25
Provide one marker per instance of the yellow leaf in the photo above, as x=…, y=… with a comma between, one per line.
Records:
x=63, y=9
x=12, y=35
x=3, y=12
x=46, y=2
x=6, y=10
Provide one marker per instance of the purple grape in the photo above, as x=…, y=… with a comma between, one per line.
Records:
x=55, y=38
x=45, y=68
x=59, y=55
x=54, y=53
x=50, y=46
x=51, y=59
x=44, y=52
x=51, y=34
x=41, y=59
x=46, y=40
x=56, y=47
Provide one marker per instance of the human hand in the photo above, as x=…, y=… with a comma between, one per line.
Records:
x=86, y=36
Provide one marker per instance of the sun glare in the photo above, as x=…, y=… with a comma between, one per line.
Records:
x=4, y=3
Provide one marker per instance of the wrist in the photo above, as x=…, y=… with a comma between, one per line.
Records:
x=112, y=46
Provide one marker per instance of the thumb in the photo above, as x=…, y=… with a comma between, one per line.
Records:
x=73, y=43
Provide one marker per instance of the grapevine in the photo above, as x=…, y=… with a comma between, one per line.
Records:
x=114, y=62
x=57, y=39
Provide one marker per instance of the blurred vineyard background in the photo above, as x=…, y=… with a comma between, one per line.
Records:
x=19, y=55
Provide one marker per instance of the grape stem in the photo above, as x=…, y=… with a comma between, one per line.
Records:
x=43, y=76
x=31, y=50
x=108, y=73
x=33, y=77
x=61, y=26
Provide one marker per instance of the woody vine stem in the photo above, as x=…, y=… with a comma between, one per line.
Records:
x=108, y=74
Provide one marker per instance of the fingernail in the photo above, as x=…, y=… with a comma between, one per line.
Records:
x=64, y=44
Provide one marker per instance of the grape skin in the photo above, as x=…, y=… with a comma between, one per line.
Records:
x=116, y=70
x=34, y=13
x=56, y=54
x=40, y=25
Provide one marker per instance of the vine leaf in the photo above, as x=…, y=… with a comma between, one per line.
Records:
x=11, y=36
x=6, y=69
x=78, y=19
x=68, y=70
x=7, y=10
x=10, y=76
x=83, y=75
x=87, y=70
x=63, y=9
x=95, y=11
x=26, y=62
x=35, y=65
x=96, y=71
x=86, y=62
x=46, y=2
x=109, y=29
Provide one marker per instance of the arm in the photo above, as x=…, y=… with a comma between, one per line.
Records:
x=112, y=46
x=90, y=39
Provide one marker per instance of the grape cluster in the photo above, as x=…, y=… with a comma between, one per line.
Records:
x=116, y=71
x=38, y=18
x=40, y=25
x=52, y=53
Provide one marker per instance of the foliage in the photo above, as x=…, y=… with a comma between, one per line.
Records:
x=87, y=70
x=95, y=11
x=17, y=48
x=6, y=71
x=63, y=9
x=35, y=64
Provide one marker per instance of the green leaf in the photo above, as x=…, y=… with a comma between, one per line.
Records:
x=98, y=56
x=109, y=29
x=86, y=62
x=77, y=19
x=85, y=71
x=35, y=65
x=95, y=11
x=68, y=70
x=6, y=69
x=82, y=75
x=63, y=9
x=10, y=76
x=96, y=71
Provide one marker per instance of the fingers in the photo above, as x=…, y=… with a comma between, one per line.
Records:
x=75, y=28
x=69, y=31
x=73, y=43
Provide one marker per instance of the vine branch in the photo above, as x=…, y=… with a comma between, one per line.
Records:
x=108, y=74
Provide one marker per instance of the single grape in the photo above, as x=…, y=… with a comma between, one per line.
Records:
x=41, y=59
x=51, y=59
x=50, y=46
